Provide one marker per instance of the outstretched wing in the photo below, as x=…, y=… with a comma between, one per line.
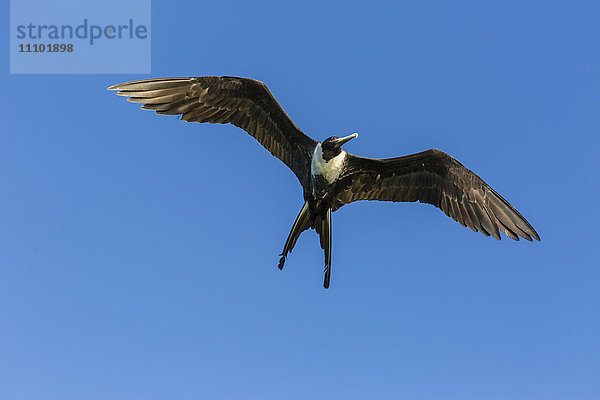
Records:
x=436, y=178
x=243, y=102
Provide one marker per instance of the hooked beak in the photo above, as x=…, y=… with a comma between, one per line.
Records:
x=339, y=142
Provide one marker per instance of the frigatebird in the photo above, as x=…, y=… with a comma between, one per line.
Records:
x=331, y=177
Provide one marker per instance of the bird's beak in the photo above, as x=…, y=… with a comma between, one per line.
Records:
x=339, y=142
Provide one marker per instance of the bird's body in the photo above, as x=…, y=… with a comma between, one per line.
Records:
x=331, y=177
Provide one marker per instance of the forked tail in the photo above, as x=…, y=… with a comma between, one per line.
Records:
x=322, y=224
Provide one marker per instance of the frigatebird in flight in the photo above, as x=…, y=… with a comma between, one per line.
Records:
x=331, y=177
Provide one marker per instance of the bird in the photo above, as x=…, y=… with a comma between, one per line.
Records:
x=331, y=177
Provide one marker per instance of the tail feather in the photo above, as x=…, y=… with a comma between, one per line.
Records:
x=325, y=236
x=301, y=224
x=322, y=224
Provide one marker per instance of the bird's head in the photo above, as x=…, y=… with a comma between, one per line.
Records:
x=332, y=146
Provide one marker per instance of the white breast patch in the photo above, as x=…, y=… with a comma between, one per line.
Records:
x=329, y=170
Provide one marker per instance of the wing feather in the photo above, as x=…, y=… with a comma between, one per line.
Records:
x=243, y=102
x=435, y=178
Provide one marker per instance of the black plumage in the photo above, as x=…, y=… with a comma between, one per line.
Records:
x=329, y=176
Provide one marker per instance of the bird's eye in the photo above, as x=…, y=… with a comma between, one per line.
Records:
x=329, y=141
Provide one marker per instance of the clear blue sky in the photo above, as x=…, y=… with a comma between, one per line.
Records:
x=138, y=253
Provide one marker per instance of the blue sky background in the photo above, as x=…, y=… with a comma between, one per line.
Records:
x=138, y=253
